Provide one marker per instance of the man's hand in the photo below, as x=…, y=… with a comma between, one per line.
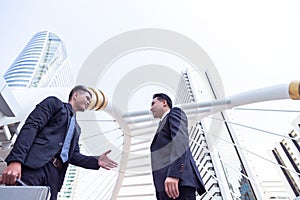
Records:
x=105, y=162
x=11, y=173
x=171, y=187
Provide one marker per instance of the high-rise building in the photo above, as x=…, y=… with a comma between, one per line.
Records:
x=221, y=182
x=42, y=63
x=287, y=156
x=199, y=147
x=67, y=190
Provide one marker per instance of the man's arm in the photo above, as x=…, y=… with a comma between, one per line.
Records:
x=92, y=162
x=180, y=143
x=36, y=120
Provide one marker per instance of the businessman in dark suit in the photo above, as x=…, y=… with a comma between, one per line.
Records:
x=37, y=157
x=175, y=174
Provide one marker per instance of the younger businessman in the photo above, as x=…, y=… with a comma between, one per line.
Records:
x=48, y=142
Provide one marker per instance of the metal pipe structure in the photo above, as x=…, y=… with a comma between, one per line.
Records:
x=271, y=93
x=276, y=92
x=100, y=101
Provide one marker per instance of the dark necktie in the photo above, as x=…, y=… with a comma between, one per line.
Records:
x=159, y=126
x=65, y=149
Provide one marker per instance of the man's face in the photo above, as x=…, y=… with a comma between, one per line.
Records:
x=82, y=100
x=157, y=108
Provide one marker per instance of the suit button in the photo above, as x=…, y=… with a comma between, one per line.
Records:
x=181, y=168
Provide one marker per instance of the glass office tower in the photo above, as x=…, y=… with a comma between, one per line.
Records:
x=42, y=63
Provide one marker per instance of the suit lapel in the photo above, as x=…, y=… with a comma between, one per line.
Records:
x=160, y=127
x=161, y=124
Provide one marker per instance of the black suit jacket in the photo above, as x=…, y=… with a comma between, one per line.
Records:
x=171, y=155
x=43, y=134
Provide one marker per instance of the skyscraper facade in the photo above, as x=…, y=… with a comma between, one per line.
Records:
x=199, y=147
x=42, y=63
x=287, y=155
x=221, y=181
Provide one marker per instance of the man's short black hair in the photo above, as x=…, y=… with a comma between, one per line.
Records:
x=79, y=88
x=162, y=96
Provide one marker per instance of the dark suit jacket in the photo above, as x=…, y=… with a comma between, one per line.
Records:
x=171, y=155
x=43, y=134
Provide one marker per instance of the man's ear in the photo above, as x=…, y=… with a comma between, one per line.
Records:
x=75, y=95
x=165, y=103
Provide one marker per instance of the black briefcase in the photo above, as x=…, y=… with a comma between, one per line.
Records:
x=24, y=192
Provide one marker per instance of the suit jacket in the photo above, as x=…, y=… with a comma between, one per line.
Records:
x=43, y=134
x=171, y=155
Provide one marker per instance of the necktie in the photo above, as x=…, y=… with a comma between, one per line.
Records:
x=159, y=123
x=159, y=126
x=65, y=149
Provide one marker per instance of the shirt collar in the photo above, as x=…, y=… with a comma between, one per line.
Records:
x=164, y=115
x=69, y=106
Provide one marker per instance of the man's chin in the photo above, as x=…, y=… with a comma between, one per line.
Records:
x=82, y=109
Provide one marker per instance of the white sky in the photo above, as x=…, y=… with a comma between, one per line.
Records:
x=253, y=44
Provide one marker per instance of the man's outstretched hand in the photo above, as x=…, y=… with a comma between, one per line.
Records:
x=105, y=162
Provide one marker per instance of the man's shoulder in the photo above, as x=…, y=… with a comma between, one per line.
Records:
x=51, y=102
x=176, y=110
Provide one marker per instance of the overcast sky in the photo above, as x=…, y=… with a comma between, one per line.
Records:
x=252, y=43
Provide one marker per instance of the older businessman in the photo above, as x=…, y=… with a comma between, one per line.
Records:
x=175, y=174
